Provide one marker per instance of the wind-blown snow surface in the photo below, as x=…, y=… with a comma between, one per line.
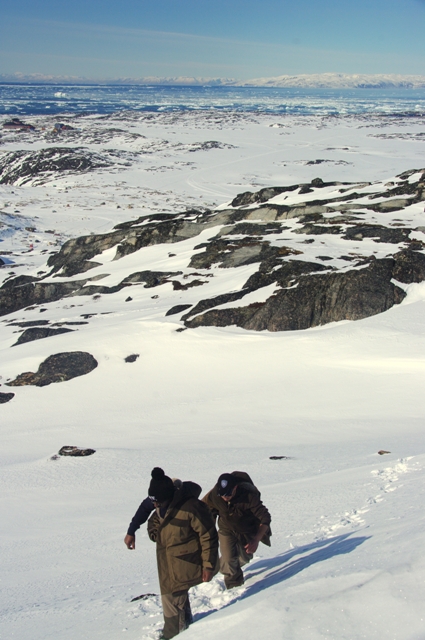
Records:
x=348, y=549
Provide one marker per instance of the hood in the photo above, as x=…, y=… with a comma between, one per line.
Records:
x=185, y=492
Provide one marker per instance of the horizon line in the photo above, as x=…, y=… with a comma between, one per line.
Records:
x=331, y=79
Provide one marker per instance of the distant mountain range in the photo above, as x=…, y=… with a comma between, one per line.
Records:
x=316, y=80
x=148, y=80
x=339, y=81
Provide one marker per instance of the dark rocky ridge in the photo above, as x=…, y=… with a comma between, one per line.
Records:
x=308, y=292
x=25, y=291
x=75, y=255
x=21, y=167
x=46, y=164
x=316, y=300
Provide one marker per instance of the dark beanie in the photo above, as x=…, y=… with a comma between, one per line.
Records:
x=161, y=488
x=225, y=484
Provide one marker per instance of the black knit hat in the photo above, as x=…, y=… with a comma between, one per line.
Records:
x=225, y=484
x=161, y=488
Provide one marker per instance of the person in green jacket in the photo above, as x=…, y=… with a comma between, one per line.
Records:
x=243, y=522
x=186, y=546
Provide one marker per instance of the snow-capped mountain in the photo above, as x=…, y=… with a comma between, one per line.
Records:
x=340, y=81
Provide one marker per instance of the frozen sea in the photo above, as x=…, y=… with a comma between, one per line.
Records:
x=39, y=99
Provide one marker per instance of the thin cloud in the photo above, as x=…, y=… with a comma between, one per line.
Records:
x=142, y=52
x=184, y=38
x=126, y=32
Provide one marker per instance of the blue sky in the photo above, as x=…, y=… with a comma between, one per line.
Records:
x=216, y=38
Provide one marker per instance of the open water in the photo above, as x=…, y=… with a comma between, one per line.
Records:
x=38, y=99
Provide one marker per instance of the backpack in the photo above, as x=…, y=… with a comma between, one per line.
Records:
x=245, y=477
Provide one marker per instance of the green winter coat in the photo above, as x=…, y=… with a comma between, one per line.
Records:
x=186, y=540
x=241, y=516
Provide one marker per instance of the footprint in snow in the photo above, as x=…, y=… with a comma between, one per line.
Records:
x=387, y=478
x=205, y=598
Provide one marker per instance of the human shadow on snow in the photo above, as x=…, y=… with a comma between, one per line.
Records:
x=286, y=565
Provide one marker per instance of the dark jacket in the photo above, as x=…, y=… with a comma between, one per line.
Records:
x=141, y=515
x=241, y=516
x=186, y=540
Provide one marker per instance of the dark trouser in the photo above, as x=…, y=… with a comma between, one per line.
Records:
x=233, y=558
x=177, y=613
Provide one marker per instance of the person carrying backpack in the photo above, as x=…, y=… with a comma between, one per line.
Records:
x=243, y=522
x=186, y=545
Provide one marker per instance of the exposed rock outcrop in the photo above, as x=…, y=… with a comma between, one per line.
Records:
x=287, y=275
x=290, y=240
x=409, y=266
x=6, y=397
x=57, y=368
x=76, y=255
x=37, y=333
x=29, y=323
x=178, y=308
x=131, y=358
x=317, y=300
x=150, y=278
x=16, y=295
x=24, y=291
x=75, y=452
x=21, y=167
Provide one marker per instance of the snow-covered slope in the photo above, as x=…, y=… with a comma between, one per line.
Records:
x=346, y=560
